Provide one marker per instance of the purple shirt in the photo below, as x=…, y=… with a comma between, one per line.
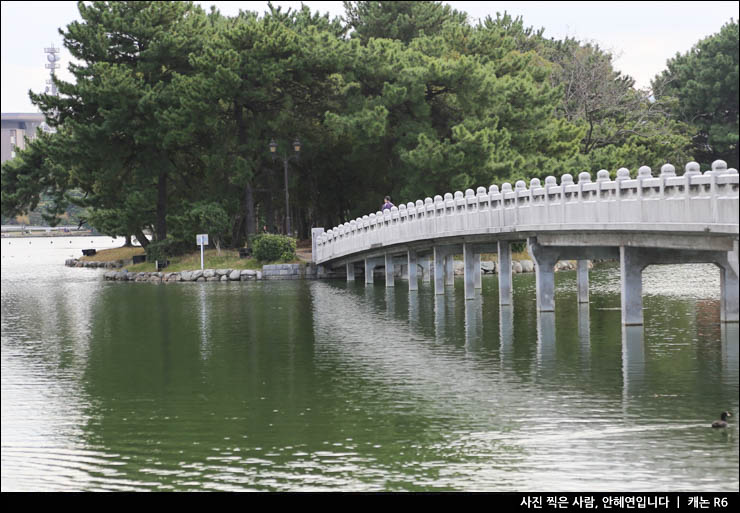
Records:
x=387, y=205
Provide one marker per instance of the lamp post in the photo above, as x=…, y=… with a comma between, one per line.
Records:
x=285, y=159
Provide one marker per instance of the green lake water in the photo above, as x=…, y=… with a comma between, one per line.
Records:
x=324, y=385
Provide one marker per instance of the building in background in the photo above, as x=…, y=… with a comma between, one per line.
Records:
x=14, y=128
x=17, y=126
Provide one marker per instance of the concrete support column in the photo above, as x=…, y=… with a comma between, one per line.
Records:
x=478, y=272
x=469, y=260
x=504, y=272
x=439, y=272
x=729, y=299
x=630, y=266
x=450, y=269
x=582, y=278
x=412, y=271
x=426, y=269
x=545, y=259
x=369, y=268
x=350, y=271
x=389, y=282
x=729, y=285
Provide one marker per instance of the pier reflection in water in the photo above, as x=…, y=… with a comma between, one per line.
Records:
x=342, y=386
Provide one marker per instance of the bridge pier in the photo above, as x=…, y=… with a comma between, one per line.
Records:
x=450, y=269
x=469, y=269
x=412, y=270
x=545, y=259
x=444, y=266
x=630, y=267
x=582, y=279
x=729, y=285
x=389, y=280
x=439, y=285
x=370, y=265
x=426, y=269
x=350, y=271
x=634, y=259
x=504, y=272
x=546, y=256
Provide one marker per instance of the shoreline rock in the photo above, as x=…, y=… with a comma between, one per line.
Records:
x=275, y=272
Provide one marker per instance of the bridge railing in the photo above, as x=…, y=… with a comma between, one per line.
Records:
x=691, y=202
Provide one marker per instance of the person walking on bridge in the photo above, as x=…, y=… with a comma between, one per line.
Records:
x=387, y=204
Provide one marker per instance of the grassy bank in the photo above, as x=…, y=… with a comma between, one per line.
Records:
x=113, y=254
x=228, y=259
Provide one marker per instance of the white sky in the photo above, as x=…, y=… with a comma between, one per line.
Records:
x=643, y=35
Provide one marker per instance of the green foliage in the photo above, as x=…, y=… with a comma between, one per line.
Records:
x=166, y=127
x=201, y=217
x=705, y=83
x=163, y=249
x=401, y=20
x=271, y=248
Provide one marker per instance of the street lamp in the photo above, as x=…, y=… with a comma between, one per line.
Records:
x=285, y=158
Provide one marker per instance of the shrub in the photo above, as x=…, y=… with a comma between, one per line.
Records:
x=163, y=249
x=269, y=248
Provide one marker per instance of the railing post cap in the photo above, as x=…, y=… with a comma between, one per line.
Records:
x=667, y=170
x=480, y=190
x=692, y=168
x=469, y=193
x=732, y=171
x=506, y=187
x=603, y=176
x=493, y=189
x=584, y=177
x=566, y=179
x=520, y=184
x=534, y=183
x=719, y=167
x=458, y=195
x=427, y=201
x=551, y=180
x=437, y=198
x=644, y=172
x=448, y=196
x=623, y=173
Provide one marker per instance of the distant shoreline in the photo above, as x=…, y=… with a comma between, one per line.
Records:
x=55, y=233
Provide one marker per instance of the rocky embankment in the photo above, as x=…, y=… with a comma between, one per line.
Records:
x=517, y=266
x=276, y=271
x=73, y=262
x=198, y=275
x=268, y=272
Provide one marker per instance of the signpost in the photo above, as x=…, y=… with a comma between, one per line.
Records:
x=201, y=240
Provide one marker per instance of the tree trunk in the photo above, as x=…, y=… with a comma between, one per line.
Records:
x=249, y=208
x=161, y=226
x=237, y=230
x=141, y=238
x=127, y=244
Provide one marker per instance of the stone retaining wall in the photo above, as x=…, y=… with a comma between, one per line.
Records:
x=289, y=272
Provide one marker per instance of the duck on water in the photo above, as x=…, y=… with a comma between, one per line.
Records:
x=723, y=422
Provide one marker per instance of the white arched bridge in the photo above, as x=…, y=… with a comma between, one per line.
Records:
x=665, y=219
